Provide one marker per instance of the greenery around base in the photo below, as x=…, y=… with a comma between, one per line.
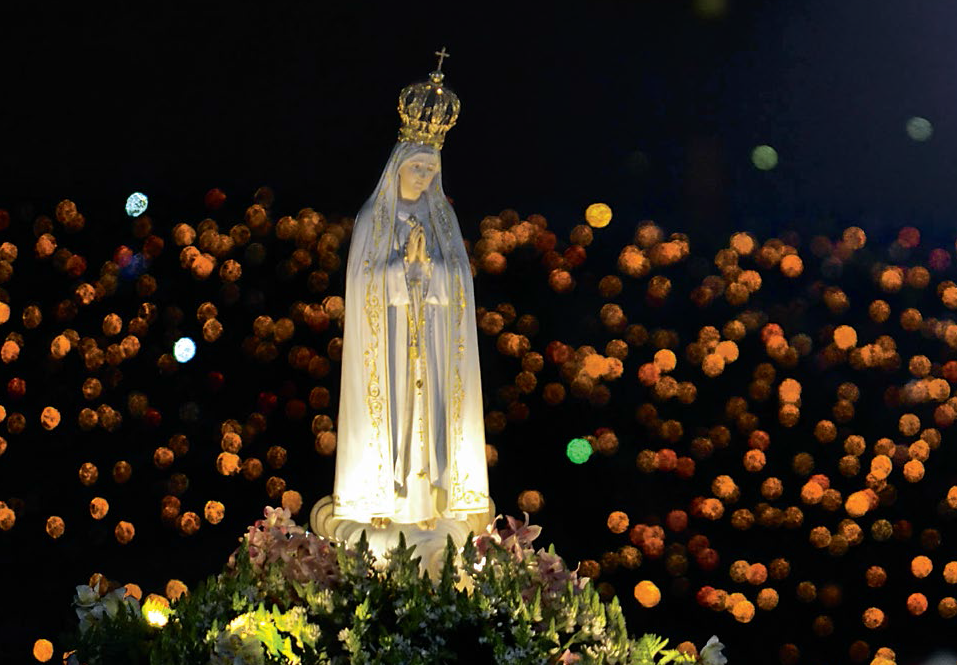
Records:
x=289, y=596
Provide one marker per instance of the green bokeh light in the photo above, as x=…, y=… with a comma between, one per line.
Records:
x=919, y=129
x=578, y=450
x=764, y=157
x=710, y=8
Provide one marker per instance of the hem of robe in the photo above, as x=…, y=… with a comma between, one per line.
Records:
x=438, y=497
x=367, y=518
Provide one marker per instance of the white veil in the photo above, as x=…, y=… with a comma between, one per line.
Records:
x=364, y=485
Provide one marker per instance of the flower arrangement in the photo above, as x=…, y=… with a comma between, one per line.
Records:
x=289, y=596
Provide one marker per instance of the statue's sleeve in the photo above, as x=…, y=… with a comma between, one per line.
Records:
x=438, y=293
x=439, y=289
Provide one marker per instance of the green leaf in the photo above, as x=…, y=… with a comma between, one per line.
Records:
x=535, y=611
x=388, y=615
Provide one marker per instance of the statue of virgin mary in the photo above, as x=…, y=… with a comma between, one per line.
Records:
x=411, y=438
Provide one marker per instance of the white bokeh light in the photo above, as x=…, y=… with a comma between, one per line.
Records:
x=184, y=349
x=136, y=204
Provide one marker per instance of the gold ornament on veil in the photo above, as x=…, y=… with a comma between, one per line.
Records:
x=428, y=109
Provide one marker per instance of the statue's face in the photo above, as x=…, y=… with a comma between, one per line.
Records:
x=416, y=174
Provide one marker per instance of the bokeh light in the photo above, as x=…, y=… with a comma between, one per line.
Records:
x=647, y=593
x=766, y=389
x=156, y=610
x=136, y=204
x=918, y=128
x=184, y=349
x=598, y=215
x=43, y=650
x=764, y=157
x=578, y=450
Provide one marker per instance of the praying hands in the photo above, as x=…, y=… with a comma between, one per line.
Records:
x=415, y=246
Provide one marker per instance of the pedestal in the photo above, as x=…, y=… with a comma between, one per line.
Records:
x=429, y=543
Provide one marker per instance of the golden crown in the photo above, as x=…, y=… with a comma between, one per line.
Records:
x=428, y=109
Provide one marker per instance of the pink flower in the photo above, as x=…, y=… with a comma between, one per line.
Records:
x=305, y=556
x=516, y=537
x=568, y=657
x=523, y=533
x=484, y=541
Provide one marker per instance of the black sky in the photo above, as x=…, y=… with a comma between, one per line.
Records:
x=643, y=104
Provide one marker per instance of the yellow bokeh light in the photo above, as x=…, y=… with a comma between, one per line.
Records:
x=598, y=215
x=156, y=610
x=133, y=591
x=845, y=337
x=713, y=364
x=728, y=350
x=743, y=611
x=124, y=532
x=55, y=526
x=43, y=650
x=175, y=589
x=214, y=512
x=531, y=501
x=617, y=522
x=665, y=360
x=647, y=593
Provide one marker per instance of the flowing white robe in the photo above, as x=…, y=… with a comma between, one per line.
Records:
x=411, y=440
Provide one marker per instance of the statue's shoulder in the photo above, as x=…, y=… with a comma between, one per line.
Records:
x=374, y=204
x=365, y=212
x=363, y=221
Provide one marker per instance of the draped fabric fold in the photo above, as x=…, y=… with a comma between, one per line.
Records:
x=393, y=395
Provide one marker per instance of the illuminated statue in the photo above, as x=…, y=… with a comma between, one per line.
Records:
x=411, y=439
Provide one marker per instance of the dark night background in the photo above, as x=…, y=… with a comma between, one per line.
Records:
x=651, y=106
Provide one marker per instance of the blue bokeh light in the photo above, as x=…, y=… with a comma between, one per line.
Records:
x=136, y=204
x=184, y=349
x=136, y=266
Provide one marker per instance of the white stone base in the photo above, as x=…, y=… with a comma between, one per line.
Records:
x=429, y=543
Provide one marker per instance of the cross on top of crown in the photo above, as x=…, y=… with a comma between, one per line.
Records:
x=443, y=54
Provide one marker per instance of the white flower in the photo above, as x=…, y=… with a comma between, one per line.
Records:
x=86, y=596
x=91, y=608
x=711, y=653
x=237, y=643
x=233, y=649
x=111, y=601
x=278, y=517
